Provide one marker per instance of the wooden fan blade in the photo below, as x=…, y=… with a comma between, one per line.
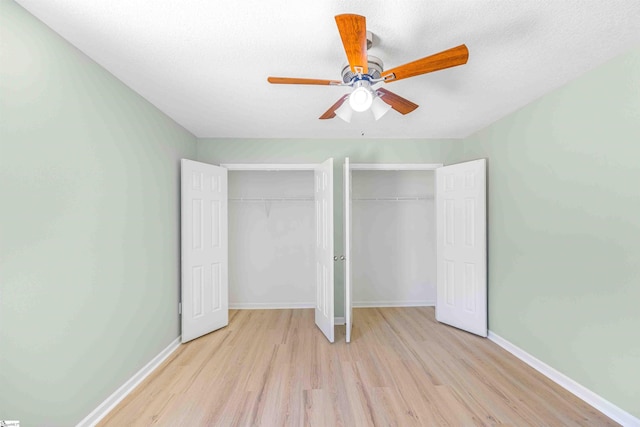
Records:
x=398, y=103
x=295, y=81
x=331, y=112
x=353, y=31
x=445, y=59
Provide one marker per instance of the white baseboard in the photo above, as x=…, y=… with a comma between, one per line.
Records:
x=338, y=321
x=292, y=305
x=373, y=304
x=105, y=407
x=269, y=305
x=609, y=409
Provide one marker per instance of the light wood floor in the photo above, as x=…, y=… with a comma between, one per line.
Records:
x=402, y=368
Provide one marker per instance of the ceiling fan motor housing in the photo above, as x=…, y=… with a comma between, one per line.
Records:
x=375, y=70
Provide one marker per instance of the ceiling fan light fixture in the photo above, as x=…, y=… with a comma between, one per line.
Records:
x=362, y=97
x=344, y=112
x=379, y=108
x=363, y=70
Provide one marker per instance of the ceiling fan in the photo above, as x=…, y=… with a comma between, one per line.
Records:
x=363, y=72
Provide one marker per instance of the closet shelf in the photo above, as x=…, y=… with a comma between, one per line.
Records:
x=389, y=199
x=271, y=199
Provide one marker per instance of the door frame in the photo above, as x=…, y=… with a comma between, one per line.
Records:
x=346, y=231
x=375, y=167
x=282, y=167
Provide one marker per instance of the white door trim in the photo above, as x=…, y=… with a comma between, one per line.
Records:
x=348, y=288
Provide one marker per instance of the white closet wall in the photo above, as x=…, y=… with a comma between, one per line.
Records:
x=393, y=243
x=271, y=239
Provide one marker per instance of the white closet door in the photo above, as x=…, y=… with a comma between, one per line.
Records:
x=462, y=246
x=205, y=304
x=348, y=304
x=324, y=310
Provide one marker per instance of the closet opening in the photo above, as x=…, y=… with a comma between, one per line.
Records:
x=393, y=250
x=255, y=236
x=271, y=239
x=390, y=236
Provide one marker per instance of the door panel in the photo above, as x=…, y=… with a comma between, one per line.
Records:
x=461, y=246
x=205, y=305
x=348, y=304
x=323, y=188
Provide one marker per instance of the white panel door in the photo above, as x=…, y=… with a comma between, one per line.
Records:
x=462, y=246
x=205, y=301
x=324, y=311
x=348, y=302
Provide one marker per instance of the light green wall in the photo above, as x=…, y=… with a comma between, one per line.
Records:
x=218, y=151
x=89, y=273
x=564, y=229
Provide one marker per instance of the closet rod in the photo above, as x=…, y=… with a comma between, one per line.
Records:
x=268, y=199
x=390, y=199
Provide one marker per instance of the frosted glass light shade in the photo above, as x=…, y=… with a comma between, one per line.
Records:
x=379, y=108
x=362, y=96
x=360, y=99
x=344, y=112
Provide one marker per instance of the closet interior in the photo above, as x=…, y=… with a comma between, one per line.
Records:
x=393, y=240
x=271, y=238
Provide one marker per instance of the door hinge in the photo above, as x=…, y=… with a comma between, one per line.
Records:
x=179, y=308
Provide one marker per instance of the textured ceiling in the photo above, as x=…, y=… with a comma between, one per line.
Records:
x=205, y=63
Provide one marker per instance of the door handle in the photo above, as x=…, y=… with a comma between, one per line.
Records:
x=342, y=257
x=335, y=258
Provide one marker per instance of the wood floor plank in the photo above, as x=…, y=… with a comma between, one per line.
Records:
x=402, y=368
